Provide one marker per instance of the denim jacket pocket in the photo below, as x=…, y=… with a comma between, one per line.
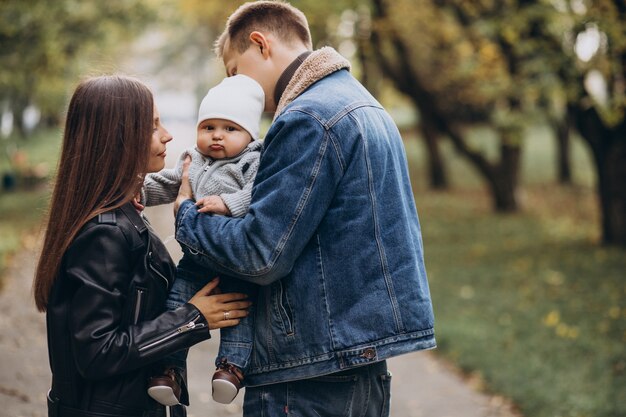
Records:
x=282, y=308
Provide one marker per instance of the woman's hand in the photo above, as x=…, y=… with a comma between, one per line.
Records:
x=184, y=192
x=137, y=202
x=220, y=310
x=212, y=204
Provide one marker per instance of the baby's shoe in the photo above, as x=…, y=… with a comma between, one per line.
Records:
x=165, y=389
x=226, y=382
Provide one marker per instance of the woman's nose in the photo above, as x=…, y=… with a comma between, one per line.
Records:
x=166, y=136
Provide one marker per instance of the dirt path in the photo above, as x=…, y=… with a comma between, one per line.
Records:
x=25, y=375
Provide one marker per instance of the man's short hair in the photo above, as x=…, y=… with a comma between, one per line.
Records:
x=277, y=17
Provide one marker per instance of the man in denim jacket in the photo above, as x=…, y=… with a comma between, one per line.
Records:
x=332, y=234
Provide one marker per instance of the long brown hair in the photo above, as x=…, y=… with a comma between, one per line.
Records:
x=105, y=152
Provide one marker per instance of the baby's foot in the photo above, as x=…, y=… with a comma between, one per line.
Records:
x=165, y=389
x=226, y=382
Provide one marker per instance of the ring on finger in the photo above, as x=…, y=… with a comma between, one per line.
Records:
x=226, y=315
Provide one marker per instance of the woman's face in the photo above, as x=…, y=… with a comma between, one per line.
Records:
x=160, y=136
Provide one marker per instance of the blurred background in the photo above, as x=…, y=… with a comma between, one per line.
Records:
x=513, y=117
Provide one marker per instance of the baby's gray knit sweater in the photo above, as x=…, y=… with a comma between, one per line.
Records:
x=229, y=178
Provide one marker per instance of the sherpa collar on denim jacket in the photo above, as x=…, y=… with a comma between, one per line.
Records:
x=316, y=66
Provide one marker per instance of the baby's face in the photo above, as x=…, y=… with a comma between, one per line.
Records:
x=219, y=138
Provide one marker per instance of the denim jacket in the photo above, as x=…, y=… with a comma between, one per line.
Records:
x=332, y=234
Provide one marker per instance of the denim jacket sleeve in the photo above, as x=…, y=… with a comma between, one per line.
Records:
x=295, y=183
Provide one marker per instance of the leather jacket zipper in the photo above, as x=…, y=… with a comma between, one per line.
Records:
x=156, y=271
x=192, y=325
x=140, y=293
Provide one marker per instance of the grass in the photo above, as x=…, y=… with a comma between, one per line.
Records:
x=21, y=215
x=39, y=150
x=529, y=304
x=22, y=209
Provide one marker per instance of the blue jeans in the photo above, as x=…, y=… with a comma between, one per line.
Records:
x=235, y=342
x=364, y=391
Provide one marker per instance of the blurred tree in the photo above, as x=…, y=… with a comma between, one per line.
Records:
x=208, y=14
x=587, y=44
x=599, y=104
x=42, y=44
x=525, y=32
x=462, y=63
x=506, y=63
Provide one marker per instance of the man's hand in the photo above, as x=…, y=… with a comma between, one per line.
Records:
x=213, y=204
x=185, y=192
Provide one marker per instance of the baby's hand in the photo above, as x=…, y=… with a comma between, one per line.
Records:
x=213, y=204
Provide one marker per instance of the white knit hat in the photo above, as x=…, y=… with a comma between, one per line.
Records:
x=239, y=99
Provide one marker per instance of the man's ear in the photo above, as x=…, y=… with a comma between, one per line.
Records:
x=260, y=42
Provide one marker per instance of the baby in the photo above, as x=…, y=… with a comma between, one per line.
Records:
x=222, y=170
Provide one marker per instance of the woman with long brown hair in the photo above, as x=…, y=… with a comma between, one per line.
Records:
x=103, y=275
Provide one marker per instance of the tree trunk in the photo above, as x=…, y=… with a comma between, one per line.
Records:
x=612, y=190
x=562, y=133
x=501, y=178
x=401, y=71
x=504, y=182
x=18, y=102
x=608, y=146
x=18, y=120
x=437, y=172
x=370, y=74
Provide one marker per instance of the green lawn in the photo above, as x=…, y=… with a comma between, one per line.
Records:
x=22, y=209
x=529, y=303
x=21, y=214
x=39, y=150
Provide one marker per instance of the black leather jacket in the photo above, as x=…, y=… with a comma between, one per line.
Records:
x=106, y=319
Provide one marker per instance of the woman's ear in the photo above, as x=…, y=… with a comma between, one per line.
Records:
x=260, y=42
